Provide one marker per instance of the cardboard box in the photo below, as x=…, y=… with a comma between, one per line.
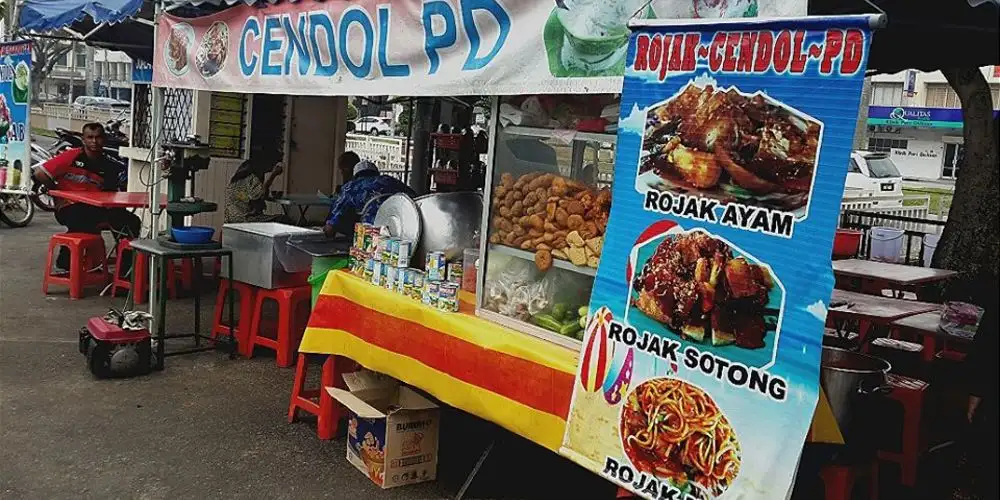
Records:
x=392, y=431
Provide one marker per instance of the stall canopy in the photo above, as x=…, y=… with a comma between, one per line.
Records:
x=50, y=15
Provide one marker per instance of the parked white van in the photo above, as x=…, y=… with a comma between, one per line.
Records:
x=874, y=177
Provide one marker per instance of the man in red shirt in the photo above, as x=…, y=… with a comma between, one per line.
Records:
x=87, y=169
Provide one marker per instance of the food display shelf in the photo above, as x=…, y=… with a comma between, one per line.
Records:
x=525, y=327
x=530, y=256
x=546, y=133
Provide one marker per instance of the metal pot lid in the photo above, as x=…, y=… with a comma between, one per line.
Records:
x=400, y=215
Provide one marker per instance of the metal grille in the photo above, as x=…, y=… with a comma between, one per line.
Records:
x=177, y=110
x=142, y=109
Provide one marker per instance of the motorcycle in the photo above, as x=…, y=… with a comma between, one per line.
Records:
x=40, y=199
x=16, y=209
x=114, y=137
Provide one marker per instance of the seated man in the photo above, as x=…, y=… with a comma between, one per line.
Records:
x=365, y=184
x=86, y=169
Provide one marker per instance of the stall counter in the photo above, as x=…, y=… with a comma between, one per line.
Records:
x=514, y=380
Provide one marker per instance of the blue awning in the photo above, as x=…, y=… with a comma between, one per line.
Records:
x=49, y=15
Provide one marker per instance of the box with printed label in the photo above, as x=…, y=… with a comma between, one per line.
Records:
x=392, y=431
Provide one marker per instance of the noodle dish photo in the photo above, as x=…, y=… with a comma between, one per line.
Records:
x=675, y=431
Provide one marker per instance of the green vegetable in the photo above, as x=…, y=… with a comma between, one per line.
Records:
x=559, y=311
x=583, y=322
x=547, y=322
x=579, y=334
x=570, y=328
x=582, y=311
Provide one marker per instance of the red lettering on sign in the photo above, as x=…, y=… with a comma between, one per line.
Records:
x=833, y=47
x=641, y=53
x=655, y=51
x=676, y=53
x=732, y=42
x=800, y=57
x=744, y=63
x=665, y=54
x=691, y=41
x=765, y=45
x=715, y=51
x=854, y=48
x=782, y=51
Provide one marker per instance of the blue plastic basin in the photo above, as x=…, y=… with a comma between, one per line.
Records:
x=192, y=234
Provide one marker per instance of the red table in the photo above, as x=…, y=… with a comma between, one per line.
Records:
x=109, y=199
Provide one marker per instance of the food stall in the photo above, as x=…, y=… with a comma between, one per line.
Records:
x=512, y=351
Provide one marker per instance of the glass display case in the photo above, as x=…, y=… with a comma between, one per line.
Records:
x=549, y=196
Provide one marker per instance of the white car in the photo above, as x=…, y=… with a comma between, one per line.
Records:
x=874, y=177
x=374, y=125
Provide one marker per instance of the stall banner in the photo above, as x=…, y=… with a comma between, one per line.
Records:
x=420, y=48
x=699, y=370
x=15, y=113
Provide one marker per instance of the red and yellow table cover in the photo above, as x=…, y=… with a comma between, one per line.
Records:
x=514, y=380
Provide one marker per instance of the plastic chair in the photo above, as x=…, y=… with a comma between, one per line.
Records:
x=294, y=305
x=88, y=263
x=243, y=315
x=839, y=480
x=909, y=393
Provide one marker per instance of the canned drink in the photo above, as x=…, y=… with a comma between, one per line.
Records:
x=391, y=275
x=372, y=234
x=430, y=293
x=448, y=296
x=403, y=253
x=389, y=250
x=455, y=272
x=368, y=269
x=418, y=282
x=360, y=230
x=435, y=267
x=376, y=272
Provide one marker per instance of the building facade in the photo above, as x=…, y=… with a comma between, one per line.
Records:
x=86, y=71
x=916, y=117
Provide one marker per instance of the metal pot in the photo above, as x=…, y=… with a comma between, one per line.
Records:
x=849, y=380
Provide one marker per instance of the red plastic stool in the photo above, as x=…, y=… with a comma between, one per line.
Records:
x=291, y=323
x=316, y=400
x=220, y=326
x=86, y=252
x=839, y=480
x=908, y=392
x=140, y=274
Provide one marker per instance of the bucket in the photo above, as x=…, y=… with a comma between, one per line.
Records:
x=930, y=244
x=846, y=243
x=886, y=244
x=850, y=380
x=320, y=267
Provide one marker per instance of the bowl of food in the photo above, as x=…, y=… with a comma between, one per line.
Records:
x=597, y=27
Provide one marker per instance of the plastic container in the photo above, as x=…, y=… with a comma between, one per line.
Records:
x=846, y=243
x=470, y=268
x=930, y=245
x=886, y=244
x=320, y=267
x=192, y=234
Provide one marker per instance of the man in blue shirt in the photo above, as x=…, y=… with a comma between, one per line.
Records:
x=352, y=203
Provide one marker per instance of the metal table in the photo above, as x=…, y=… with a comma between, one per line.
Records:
x=159, y=256
x=303, y=201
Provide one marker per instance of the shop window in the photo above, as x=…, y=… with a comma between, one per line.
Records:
x=953, y=155
x=177, y=112
x=883, y=145
x=227, y=125
x=887, y=94
x=941, y=95
x=142, y=108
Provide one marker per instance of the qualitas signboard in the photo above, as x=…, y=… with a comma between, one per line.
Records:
x=699, y=371
x=419, y=48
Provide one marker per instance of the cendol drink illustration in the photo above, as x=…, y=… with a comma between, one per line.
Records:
x=589, y=37
x=21, y=85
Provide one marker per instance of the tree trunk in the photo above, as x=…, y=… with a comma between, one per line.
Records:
x=971, y=236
